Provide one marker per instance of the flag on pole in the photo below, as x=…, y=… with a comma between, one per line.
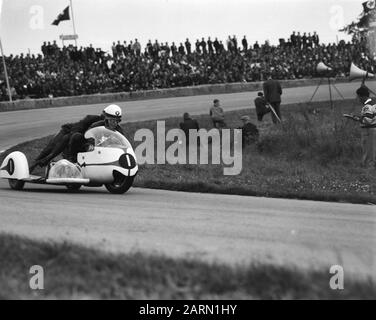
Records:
x=369, y=6
x=62, y=16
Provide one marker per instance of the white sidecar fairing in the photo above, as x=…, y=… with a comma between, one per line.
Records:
x=65, y=172
x=112, y=153
x=15, y=166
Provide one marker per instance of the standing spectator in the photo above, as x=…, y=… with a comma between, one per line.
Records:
x=368, y=127
x=309, y=40
x=298, y=41
x=293, y=39
x=181, y=49
x=245, y=44
x=197, y=44
x=261, y=106
x=316, y=40
x=90, y=52
x=235, y=44
x=156, y=48
x=304, y=40
x=221, y=47
x=229, y=44
x=272, y=92
x=55, y=47
x=173, y=49
x=125, y=48
x=210, y=46
x=119, y=49
x=203, y=46
x=149, y=47
x=188, y=124
x=188, y=46
x=167, y=49
x=217, y=115
x=44, y=48
x=130, y=48
x=49, y=49
x=137, y=47
x=216, y=45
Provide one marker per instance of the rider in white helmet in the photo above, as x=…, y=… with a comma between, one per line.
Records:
x=78, y=143
x=112, y=118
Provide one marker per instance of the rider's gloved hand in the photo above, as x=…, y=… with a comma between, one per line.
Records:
x=90, y=144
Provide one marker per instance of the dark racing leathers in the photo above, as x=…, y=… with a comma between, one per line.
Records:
x=78, y=143
x=64, y=140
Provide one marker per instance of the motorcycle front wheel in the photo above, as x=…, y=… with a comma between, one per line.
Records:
x=121, y=184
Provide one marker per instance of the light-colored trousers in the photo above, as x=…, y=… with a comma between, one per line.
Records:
x=368, y=141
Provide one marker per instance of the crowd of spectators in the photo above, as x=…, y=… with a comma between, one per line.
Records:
x=68, y=70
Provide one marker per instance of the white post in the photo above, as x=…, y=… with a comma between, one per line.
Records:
x=5, y=72
x=74, y=27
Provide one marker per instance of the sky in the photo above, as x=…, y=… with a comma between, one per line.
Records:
x=25, y=24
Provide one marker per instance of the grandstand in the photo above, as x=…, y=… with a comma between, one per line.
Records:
x=68, y=71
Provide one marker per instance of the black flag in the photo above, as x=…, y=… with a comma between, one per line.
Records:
x=62, y=16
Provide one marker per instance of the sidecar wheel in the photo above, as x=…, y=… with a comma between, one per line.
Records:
x=16, y=184
x=120, y=185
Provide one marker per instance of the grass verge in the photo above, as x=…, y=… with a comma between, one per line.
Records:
x=75, y=272
x=315, y=154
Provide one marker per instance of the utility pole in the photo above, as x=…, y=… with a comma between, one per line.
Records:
x=74, y=27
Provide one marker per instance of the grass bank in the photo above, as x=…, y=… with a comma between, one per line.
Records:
x=75, y=272
x=315, y=154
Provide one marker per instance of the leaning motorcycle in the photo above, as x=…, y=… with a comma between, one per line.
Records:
x=112, y=163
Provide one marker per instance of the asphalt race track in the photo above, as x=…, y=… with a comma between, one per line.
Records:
x=233, y=229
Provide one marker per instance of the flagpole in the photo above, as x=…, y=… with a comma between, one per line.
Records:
x=5, y=71
x=74, y=27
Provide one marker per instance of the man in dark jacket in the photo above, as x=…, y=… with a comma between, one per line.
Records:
x=261, y=106
x=272, y=92
x=61, y=140
x=250, y=133
x=188, y=124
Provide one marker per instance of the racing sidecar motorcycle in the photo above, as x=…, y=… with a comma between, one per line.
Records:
x=112, y=163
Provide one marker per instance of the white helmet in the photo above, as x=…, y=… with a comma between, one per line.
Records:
x=112, y=111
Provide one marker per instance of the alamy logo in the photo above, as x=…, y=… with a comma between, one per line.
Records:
x=37, y=17
x=337, y=280
x=37, y=280
x=197, y=147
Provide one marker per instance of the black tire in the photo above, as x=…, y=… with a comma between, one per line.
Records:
x=120, y=185
x=73, y=187
x=16, y=184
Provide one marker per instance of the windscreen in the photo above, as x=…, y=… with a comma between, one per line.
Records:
x=106, y=138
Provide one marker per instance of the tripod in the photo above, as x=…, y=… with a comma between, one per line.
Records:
x=330, y=84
